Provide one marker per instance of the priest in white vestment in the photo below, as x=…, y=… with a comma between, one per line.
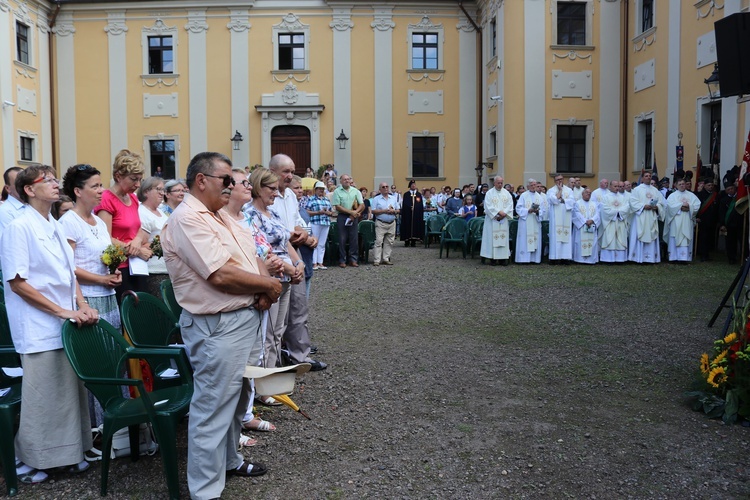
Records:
x=544, y=208
x=648, y=207
x=498, y=210
x=529, y=234
x=599, y=193
x=614, y=212
x=679, y=225
x=586, y=223
x=561, y=203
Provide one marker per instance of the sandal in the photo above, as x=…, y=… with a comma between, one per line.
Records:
x=78, y=468
x=259, y=425
x=34, y=476
x=247, y=441
x=248, y=469
x=92, y=455
x=268, y=401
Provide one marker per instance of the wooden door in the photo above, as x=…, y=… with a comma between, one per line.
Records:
x=293, y=141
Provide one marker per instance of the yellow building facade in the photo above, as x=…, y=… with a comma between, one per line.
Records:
x=420, y=89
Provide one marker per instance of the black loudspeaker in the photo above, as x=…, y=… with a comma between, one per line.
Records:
x=733, y=54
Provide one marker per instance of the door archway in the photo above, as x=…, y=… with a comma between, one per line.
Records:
x=293, y=141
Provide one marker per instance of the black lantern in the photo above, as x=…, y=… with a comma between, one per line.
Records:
x=713, y=83
x=342, y=138
x=236, y=140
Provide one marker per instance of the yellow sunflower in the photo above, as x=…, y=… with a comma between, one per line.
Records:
x=730, y=338
x=705, y=365
x=717, y=376
x=719, y=358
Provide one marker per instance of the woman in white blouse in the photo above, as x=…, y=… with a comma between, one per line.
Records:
x=150, y=195
x=41, y=292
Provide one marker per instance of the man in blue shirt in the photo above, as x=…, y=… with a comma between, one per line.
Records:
x=384, y=210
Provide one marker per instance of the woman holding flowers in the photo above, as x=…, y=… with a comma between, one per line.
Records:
x=119, y=211
x=150, y=195
x=41, y=292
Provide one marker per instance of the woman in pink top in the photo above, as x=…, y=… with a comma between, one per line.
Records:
x=119, y=210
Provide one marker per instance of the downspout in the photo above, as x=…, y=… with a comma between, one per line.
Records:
x=480, y=83
x=626, y=70
x=53, y=139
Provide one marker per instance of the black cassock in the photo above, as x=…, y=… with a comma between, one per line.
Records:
x=412, y=216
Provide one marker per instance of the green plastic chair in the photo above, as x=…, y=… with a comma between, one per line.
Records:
x=149, y=323
x=454, y=233
x=332, y=245
x=98, y=354
x=433, y=228
x=366, y=230
x=476, y=227
x=167, y=295
x=10, y=405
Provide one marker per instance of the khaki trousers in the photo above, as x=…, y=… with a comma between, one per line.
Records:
x=385, y=234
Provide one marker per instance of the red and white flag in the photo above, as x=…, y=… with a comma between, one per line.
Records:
x=741, y=204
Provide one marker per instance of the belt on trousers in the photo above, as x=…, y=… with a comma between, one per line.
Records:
x=384, y=222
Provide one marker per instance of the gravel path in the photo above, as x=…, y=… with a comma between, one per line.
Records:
x=449, y=379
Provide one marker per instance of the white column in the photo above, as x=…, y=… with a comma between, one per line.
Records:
x=44, y=89
x=197, y=97
x=609, y=90
x=467, y=101
x=730, y=149
x=342, y=26
x=673, y=86
x=118, y=95
x=240, y=90
x=66, y=89
x=6, y=88
x=499, y=167
x=383, y=34
x=535, y=80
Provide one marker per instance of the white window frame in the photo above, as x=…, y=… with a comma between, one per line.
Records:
x=147, y=152
x=441, y=152
x=639, y=138
x=639, y=18
x=159, y=29
x=492, y=38
x=290, y=24
x=589, y=23
x=426, y=26
x=589, y=124
x=492, y=143
x=34, y=150
x=30, y=40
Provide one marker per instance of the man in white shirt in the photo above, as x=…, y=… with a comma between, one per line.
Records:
x=498, y=210
x=13, y=206
x=679, y=226
x=600, y=192
x=295, y=334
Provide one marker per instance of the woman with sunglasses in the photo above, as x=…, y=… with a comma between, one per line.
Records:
x=41, y=292
x=119, y=211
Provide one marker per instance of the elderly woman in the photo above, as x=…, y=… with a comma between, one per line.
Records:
x=265, y=187
x=174, y=193
x=454, y=203
x=119, y=211
x=41, y=293
x=150, y=195
x=242, y=195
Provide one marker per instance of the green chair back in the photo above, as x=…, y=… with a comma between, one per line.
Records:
x=148, y=320
x=433, y=227
x=98, y=354
x=455, y=232
x=366, y=229
x=476, y=228
x=332, y=244
x=10, y=405
x=167, y=295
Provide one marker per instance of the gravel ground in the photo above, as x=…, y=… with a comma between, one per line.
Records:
x=450, y=379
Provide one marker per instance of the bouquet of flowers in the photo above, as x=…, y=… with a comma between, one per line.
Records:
x=723, y=388
x=156, y=247
x=113, y=256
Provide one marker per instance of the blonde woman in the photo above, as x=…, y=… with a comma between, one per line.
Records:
x=119, y=211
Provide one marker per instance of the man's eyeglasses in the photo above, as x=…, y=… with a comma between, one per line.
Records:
x=227, y=179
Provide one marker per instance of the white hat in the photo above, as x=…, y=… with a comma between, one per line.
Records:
x=319, y=185
x=273, y=381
